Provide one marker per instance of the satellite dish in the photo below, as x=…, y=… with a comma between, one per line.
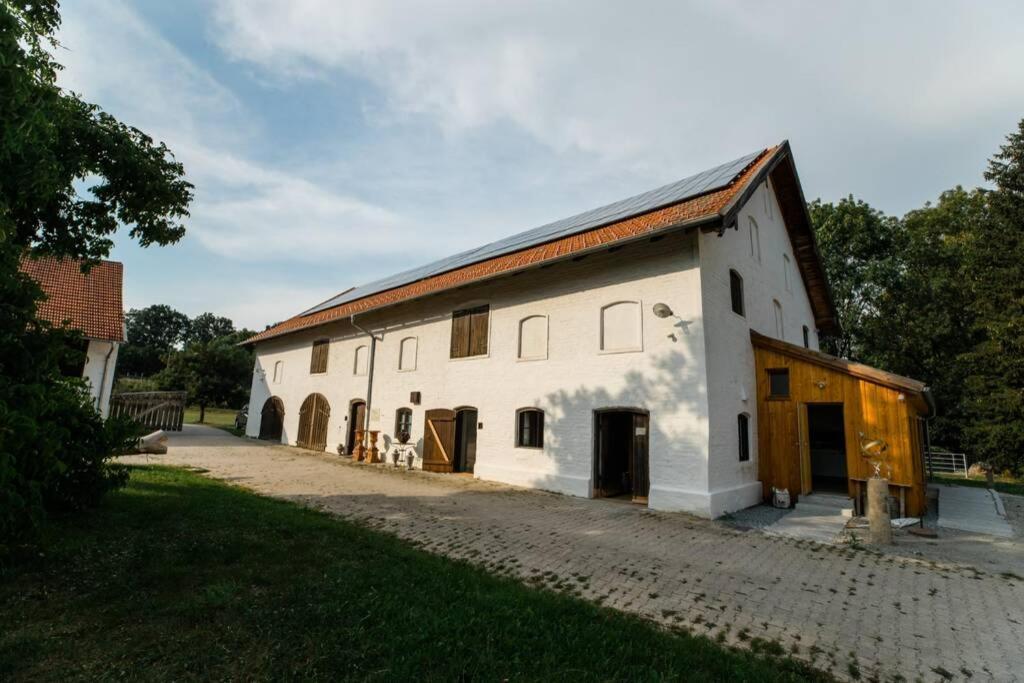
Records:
x=662, y=310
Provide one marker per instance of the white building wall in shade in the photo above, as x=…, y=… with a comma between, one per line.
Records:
x=664, y=373
x=100, y=362
x=732, y=386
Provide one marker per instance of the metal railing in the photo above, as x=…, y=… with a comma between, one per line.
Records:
x=947, y=462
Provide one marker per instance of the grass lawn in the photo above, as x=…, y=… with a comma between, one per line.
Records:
x=221, y=418
x=181, y=577
x=1002, y=484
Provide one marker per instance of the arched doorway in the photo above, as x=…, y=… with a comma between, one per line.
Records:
x=272, y=419
x=465, y=439
x=313, y=418
x=356, y=420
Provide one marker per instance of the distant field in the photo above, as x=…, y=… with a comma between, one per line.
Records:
x=222, y=418
x=1002, y=484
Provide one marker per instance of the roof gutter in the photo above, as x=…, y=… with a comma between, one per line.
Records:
x=369, y=370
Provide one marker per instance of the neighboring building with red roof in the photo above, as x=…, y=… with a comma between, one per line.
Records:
x=606, y=354
x=89, y=302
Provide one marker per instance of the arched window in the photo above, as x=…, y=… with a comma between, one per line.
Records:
x=786, y=266
x=407, y=354
x=736, y=291
x=529, y=428
x=755, y=241
x=278, y=371
x=777, y=307
x=621, y=327
x=359, y=366
x=533, y=338
x=403, y=421
x=743, y=423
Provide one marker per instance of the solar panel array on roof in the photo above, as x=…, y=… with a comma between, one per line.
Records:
x=673, y=193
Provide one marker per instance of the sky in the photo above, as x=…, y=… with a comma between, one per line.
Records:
x=334, y=142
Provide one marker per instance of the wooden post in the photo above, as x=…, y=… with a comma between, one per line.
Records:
x=878, y=511
x=373, y=455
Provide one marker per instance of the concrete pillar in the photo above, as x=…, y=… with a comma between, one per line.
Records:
x=878, y=511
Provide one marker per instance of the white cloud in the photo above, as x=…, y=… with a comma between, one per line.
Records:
x=647, y=83
x=242, y=209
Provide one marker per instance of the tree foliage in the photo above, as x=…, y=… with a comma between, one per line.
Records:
x=939, y=295
x=53, y=445
x=214, y=372
x=153, y=332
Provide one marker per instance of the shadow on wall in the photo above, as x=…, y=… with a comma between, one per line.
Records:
x=260, y=393
x=672, y=388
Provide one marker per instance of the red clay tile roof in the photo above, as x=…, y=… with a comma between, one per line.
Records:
x=89, y=302
x=703, y=207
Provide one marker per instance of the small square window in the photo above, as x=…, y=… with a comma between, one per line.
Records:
x=778, y=383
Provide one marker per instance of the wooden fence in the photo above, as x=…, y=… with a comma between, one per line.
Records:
x=151, y=409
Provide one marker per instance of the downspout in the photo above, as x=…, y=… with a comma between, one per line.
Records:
x=103, y=378
x=369, y=370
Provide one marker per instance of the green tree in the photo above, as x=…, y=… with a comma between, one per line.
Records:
x=994, y=375
x=153, y=332
x=206, y=327
x=53, y=446
x=860, y=249
x=214, y=373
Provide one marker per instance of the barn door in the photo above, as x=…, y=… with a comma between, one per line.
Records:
x=641, y=460
x=313, y=418
x=439, y=440
x=272, y=420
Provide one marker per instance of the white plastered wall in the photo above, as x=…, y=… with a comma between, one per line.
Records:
x=666, y=377
x=99, y=355
x=732, y=390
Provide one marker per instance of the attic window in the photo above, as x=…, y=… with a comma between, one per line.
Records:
x=318, y=360
x=469, y=332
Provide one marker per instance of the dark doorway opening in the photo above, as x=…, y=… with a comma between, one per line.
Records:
x=465, y=439
x=827, y=442
x=621, y=466
x=272, y=419
x=356, y=417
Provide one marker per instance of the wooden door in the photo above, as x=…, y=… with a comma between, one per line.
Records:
x=272, y=419
x=641, y=474
x=356, y=420
x=465, y=440
x=313, y=418
x=439, y=440
x=803, y=444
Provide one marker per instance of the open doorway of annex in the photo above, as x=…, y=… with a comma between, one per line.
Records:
x=826, y=444
x=621, y=460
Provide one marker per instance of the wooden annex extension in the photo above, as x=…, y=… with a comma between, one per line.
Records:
x=812, y=409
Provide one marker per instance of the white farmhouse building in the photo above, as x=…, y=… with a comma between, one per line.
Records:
x=605, y=354
x=87, y=302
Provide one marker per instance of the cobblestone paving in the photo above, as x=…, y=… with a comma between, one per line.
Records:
x=852, y=612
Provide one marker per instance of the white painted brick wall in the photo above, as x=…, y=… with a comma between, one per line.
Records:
x=731, y=386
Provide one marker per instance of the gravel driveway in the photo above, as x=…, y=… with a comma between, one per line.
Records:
x=856, y=613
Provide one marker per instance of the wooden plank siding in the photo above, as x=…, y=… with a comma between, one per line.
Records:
x=877, y=404
x=151, y=409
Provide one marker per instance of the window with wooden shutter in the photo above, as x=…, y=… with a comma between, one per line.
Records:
x=318, y=360
x=469, y=332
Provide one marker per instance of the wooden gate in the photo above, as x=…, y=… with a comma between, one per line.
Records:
x=313, y=416
x=272, y=419
x=151, y=409
x=439, y=440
